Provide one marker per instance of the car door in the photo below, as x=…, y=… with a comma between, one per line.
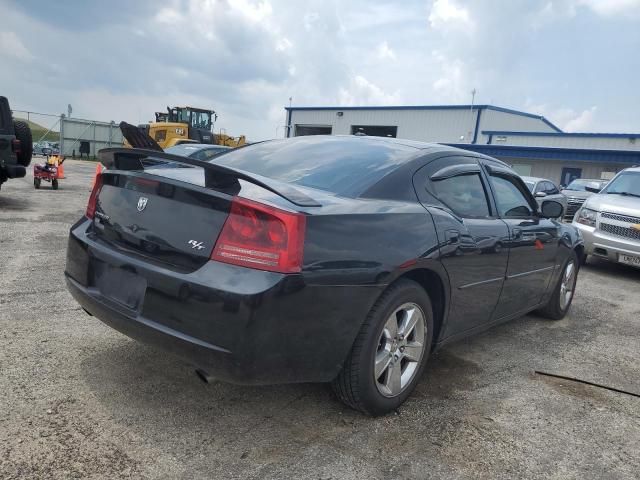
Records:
x=472, y=239
x=533, y=242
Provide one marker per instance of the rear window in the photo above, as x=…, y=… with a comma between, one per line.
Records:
x=342, y=165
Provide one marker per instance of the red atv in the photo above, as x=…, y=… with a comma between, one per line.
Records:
x=48, y=171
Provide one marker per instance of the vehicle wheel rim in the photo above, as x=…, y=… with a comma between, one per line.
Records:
x=567, y=286
x=400, y=349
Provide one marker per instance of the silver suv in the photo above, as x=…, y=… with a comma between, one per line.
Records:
x=610, y=220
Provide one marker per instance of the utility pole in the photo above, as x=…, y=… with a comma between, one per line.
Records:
x=288, y=126
x=473, y=97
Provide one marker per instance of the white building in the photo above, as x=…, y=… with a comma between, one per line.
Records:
x=531, y=143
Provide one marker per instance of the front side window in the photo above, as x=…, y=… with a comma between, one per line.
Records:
x=464, y=194
x=510, y=200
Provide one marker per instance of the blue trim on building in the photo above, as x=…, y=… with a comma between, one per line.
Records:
x=561, y=134
x=548, y=153
x=431, y=107
x=475, y=130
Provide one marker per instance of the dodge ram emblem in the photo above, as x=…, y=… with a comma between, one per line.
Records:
x=142, y=203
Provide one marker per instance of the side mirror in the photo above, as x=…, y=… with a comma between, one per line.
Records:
x=551, y=209
x=591, y=189
x=541, y=195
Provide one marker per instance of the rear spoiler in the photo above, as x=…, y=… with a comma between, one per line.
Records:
x=215, y=176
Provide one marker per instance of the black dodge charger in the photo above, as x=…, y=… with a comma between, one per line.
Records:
x=318, y=259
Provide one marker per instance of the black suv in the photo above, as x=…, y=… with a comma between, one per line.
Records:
x=15, y=144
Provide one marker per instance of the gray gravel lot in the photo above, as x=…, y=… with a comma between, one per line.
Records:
x=78, y=399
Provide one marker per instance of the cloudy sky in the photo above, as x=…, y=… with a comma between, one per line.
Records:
x=575, y=61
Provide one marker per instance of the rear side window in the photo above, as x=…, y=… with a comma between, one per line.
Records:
x=343, y=165
x=551, y=189
x=464, y=194
x=510, y=200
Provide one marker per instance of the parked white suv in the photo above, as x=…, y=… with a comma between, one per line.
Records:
x=610, y=220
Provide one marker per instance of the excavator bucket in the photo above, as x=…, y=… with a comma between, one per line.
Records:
x=138, y=138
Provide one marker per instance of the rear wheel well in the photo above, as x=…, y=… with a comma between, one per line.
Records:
x=432, y=284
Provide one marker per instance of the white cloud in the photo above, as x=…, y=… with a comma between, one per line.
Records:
x=254, y=11
x=283, y=44
x=446, y=13
x=568, y=119
x=245, y=58
x=612, y=7
x=12, y=46
x=450, y=85
x=168, y=16
x=582, y=122
x=362, y=92
x=385, y=52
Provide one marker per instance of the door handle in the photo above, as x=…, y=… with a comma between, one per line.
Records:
x=452, y=236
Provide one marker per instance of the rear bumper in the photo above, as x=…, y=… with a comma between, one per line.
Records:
x=239, y=325
x=15, y=171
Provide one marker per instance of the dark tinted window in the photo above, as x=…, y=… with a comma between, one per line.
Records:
x=375, y=130
x=464, y=194
x=511, y=201
x=343, y=165
x=304, y=130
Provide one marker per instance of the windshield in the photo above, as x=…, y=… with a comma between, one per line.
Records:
x=201, y=120
x=581, y=184
x=627, y=183
x=530, y=185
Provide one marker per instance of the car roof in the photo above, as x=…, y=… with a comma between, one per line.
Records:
x=635, y=168
x=534, y=179
x=201, y=146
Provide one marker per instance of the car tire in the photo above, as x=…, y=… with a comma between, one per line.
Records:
x=36, y=182
x=564, y=291
x=363, y=383
x=23, y=133
x=54, y=183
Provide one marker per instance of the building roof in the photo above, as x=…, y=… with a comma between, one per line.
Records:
x=561, y=134
x=432, y=107
x=553, y=153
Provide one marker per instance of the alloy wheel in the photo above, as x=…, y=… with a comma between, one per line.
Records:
x=400, y=349
x=567, y=285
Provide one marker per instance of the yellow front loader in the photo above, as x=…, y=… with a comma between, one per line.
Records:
x=187, y=125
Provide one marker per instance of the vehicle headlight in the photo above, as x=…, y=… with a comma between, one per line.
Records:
x=586, y=216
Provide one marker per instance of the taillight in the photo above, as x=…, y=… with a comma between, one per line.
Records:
x=260, y=236
x=16, y=147
x=91, y=205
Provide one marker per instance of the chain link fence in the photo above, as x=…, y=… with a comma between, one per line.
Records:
x=71, y=137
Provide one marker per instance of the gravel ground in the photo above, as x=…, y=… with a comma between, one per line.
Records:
x=79, y=400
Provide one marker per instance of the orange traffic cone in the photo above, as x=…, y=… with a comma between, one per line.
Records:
x=61, y=170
